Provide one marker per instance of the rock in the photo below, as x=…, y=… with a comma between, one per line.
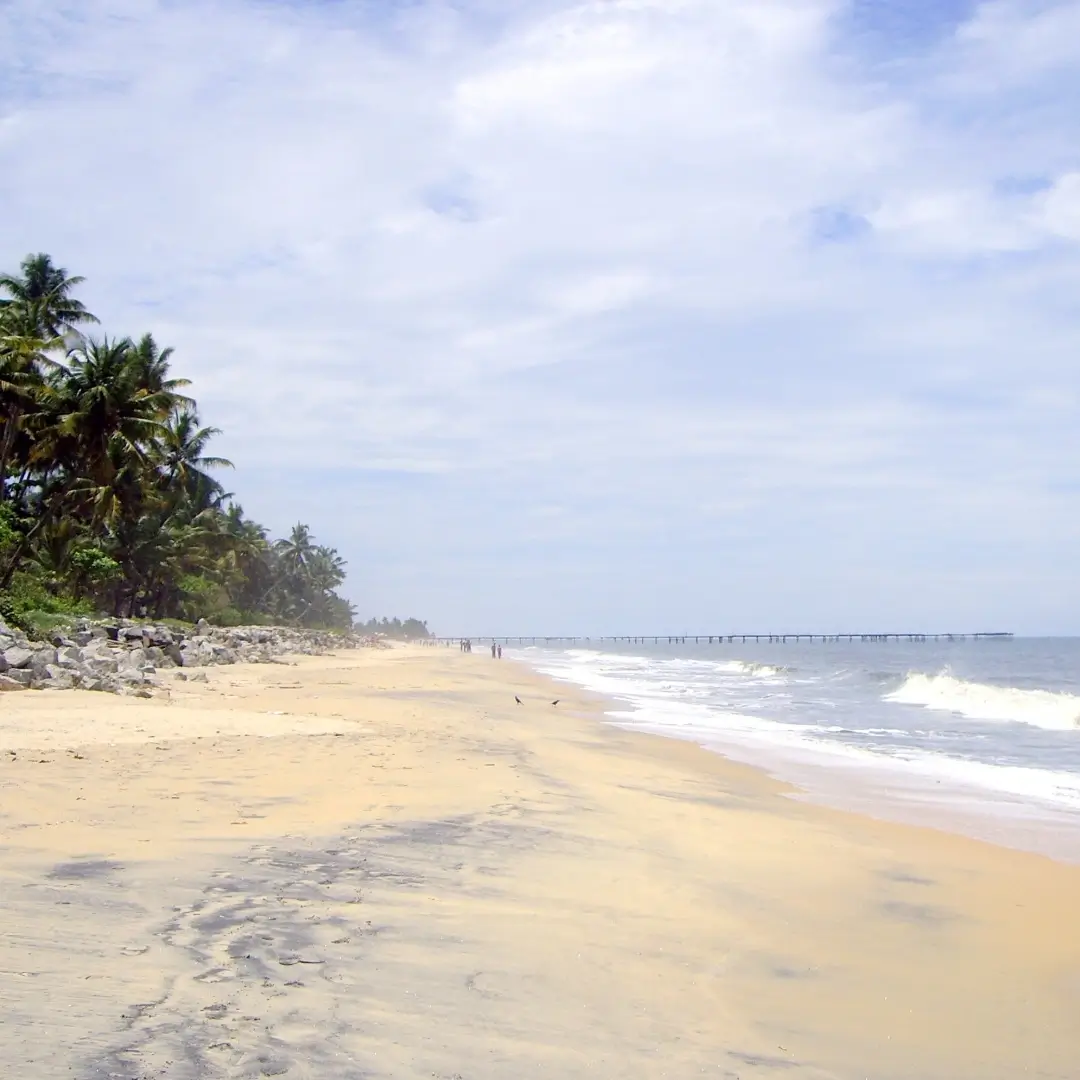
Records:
x=17, y=657
x=69, y=656
x=43, y=656
x=58, y=678
x=122, y=657
x=12, y=684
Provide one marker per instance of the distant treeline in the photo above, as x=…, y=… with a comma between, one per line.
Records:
x=409, y=630
x=108, y=499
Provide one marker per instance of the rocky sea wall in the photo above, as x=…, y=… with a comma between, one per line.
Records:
x=126, y=657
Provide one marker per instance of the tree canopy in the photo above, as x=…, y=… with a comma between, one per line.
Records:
x=109, y=493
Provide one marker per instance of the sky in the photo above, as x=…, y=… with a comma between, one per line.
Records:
x=623, y=316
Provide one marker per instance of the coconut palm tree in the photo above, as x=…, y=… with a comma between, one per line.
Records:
x=107, y=486
x=44, y=291
x=182, y=452
x=152, y=365
x=101, y=406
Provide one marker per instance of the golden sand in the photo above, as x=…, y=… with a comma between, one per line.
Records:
x=377, y=864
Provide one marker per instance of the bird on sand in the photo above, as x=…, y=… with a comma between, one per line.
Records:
x=556, y=701
x=518, y=700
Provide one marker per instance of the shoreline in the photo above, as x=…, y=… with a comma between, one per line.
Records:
x=378, y=862
x=875, y=785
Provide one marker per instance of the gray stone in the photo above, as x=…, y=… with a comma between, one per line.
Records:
x=7, y=683
x=43, y=656
x=17, y=657
x=56, y=677
x=202, y=627
x=22, y=675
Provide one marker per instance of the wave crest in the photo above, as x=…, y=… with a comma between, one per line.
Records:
x=1054, y=711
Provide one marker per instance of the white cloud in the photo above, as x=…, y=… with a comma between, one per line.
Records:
x=1060, y=207
x=674, y=267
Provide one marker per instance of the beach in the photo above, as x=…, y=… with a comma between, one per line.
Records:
x=378, y=864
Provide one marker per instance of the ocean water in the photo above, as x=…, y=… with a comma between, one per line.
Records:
x=982, y=737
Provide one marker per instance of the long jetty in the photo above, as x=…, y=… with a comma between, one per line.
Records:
x=717, y=639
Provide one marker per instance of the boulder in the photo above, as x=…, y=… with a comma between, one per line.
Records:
x=12, y=684
x=69, y=656
x=55, y=677
x=17, y=657
x=43, y=656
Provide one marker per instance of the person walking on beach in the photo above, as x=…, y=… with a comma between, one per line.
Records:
x=493, y=650
x=500, y=652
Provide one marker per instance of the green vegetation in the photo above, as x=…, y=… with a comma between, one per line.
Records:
x=409, y=630
x=108, y=500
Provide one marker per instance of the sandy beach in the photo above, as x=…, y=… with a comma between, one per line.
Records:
x=377, y=864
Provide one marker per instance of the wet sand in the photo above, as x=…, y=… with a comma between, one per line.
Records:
x=378, y=865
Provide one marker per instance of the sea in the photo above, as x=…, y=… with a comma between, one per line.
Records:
x=977, y=736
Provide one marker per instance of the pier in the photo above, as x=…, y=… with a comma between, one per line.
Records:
x=719, y=639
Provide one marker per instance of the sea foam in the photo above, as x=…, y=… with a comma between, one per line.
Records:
x=1054, y=711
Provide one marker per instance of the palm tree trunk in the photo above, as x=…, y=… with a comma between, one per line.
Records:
x=7, y=441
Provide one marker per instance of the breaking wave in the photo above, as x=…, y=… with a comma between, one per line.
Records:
x=1048, y=709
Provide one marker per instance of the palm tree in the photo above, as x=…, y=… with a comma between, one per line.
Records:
x=106, y=480
x=296, y=552
x=152, y=364
x=103, y=407
x=182, y=450
x=44, y=290
x=22, y=367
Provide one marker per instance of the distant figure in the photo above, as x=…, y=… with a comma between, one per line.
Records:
x=518, y=700
x=493, y=650
x=556, y=701
x=500, y=652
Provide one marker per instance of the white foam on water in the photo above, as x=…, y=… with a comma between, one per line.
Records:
x=979, y=701
x=678, y=698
